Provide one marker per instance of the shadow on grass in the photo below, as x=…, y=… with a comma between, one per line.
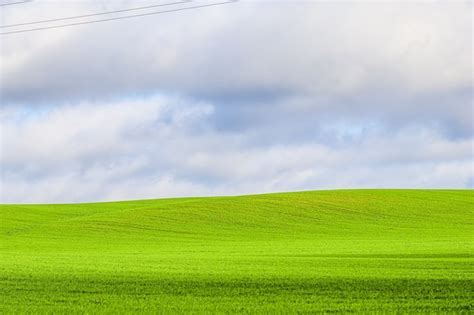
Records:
x=121, y=294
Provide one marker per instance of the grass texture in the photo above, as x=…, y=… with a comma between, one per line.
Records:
x=362, y=251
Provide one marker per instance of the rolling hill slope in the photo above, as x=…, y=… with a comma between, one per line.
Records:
x=345, y=250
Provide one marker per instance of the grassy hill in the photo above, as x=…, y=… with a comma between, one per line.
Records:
x=345, y=250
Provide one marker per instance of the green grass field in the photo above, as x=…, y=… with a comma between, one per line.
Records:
x=370, y=251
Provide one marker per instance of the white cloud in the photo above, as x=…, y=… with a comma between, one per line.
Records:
x=161, y=147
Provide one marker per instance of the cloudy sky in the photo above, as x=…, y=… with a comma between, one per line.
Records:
x=247, y=97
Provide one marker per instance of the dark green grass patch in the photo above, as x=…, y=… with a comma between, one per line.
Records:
x=235, y=295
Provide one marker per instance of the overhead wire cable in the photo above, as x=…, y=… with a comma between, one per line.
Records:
x=94, y=14
x=119, y=18
x=12, y=3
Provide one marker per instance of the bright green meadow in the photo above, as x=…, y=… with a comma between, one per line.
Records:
x=362, y=251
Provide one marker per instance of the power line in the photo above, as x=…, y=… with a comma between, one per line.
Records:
x=119, y=18
x=11, y=3
x=94, y=14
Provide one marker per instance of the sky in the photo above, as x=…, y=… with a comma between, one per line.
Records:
x=242, y=98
